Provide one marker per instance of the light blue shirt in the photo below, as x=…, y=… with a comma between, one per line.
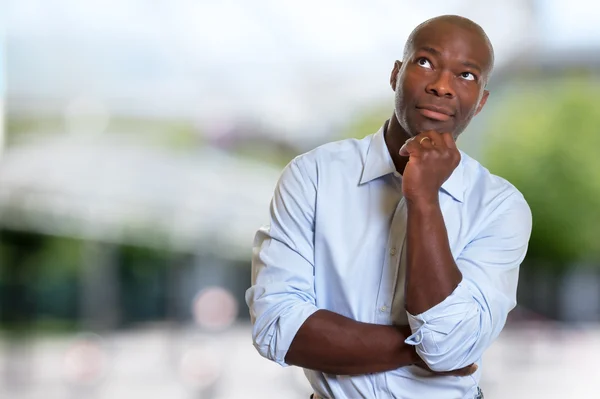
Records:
x=334, y=241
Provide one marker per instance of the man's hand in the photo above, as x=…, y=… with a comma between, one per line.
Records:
x=433, y=158
x=463, y=372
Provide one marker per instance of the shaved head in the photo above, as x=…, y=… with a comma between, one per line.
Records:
x=445, y=69
x=454, y=20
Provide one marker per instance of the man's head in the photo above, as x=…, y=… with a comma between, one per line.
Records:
x=440, y=83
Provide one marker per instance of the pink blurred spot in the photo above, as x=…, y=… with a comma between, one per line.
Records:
x=200, y=368
x=85, y=362
x=214, y=308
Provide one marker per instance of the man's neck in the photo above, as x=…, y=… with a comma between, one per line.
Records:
x=395, y=137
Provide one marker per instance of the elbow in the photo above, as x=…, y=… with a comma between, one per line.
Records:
x=262, y=340
x=264, y=330
x=274, y=328
x=453, y=347
x=441, y=358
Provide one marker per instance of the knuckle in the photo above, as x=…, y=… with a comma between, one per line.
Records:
x=457, y=159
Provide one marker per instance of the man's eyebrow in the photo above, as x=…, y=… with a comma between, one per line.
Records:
x=472, y=65
x=436, y=52
x=430, y=50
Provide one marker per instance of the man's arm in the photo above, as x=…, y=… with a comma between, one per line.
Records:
x=431, y=273
x=288, y=328
x=331, y=343
x=456, y=309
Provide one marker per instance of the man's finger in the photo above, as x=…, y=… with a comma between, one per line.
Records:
x=437, y=140
x=410, y=146
x=403, y=151
x=468, y=370
x=465, y=371
x=422, y=141
x=426, y=142
x=449, y=140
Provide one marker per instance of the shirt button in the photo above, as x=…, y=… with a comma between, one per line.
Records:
x=383, y=308
x=393, y=251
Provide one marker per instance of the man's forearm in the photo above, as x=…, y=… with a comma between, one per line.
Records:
x=331, y=343
x=431, y=273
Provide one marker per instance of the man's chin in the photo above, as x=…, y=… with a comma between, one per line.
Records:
x=430, y=124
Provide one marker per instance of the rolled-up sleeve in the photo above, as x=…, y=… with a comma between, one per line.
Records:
x=456, y=332
x=282, y=294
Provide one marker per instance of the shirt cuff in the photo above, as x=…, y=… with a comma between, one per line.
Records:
x=288, y=327
x=442, y=318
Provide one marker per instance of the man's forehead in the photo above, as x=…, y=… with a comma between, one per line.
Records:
x=437, y=31
x=440, y=35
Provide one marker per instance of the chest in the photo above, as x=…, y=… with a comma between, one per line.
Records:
x=359, y=244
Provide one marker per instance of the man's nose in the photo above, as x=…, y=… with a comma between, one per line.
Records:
x=441, y=86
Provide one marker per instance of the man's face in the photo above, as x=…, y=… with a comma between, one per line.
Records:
x=440, y=84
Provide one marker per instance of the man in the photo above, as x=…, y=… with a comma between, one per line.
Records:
x=390, y=263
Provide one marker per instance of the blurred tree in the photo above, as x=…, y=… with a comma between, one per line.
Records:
x=18, y=258
x=368, y=122
x=545, y=140
x=143, y=275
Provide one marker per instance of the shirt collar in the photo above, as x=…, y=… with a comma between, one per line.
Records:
x=455, y=183
x=378, y=163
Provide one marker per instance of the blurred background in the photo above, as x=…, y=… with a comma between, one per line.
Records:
x=141, y=142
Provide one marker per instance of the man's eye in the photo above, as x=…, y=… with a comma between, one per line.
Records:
x=467, y=76
x=424, y=62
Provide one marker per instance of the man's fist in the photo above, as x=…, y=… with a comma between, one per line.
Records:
x=433, y=157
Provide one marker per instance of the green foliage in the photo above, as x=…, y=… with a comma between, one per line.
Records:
x=545, y=140
x=368, y=122
x=269, y=153
x=38, y=281
x=174, y=134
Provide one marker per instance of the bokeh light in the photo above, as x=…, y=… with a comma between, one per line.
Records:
x=200, y=368
x=214, y=308
x=86, y=361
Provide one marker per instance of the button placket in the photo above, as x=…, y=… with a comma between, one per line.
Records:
x=385, y=298
x=397, y=307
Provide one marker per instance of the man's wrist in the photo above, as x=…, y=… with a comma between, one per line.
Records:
x=407, y=353
x=423, y=203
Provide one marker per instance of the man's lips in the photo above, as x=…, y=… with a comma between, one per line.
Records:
x=436, y=113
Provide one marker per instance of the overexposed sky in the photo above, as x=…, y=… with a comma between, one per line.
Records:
x=289, y=65
x=569, y=23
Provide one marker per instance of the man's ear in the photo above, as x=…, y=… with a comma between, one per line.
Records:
x=394, y=75
x=482, y=102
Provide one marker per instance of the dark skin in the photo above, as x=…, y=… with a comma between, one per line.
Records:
x=331, y=343
x=439, y=89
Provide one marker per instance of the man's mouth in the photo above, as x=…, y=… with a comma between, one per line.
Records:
x=436, y=113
